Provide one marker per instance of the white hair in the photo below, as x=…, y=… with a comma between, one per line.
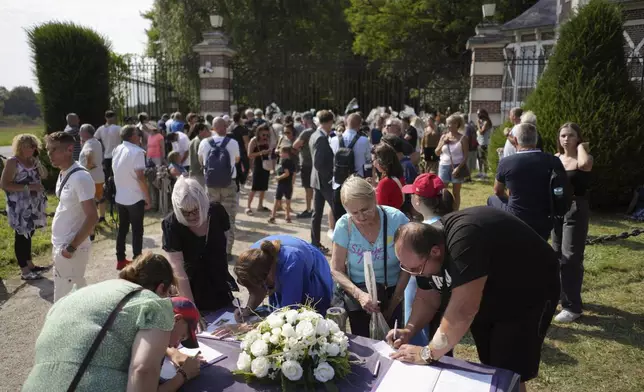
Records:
x=529, y=118
x=188, y=194
x=249, y=111
x=526, y=135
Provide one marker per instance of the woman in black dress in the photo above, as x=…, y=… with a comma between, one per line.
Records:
x=195, y=240
x=259, y=150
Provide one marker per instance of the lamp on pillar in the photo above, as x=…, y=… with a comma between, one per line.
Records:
x=214, y=72
x=489, y=10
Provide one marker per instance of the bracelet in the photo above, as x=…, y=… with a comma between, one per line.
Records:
x=183, y=373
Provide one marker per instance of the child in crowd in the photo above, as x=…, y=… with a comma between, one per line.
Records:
x=176, y=170
x=285, y=173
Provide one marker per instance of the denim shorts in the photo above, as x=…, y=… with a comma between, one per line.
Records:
x=445, y=174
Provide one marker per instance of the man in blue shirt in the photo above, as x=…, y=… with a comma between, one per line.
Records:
x=527, y=176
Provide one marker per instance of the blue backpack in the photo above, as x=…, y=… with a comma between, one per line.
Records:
x=218, y=171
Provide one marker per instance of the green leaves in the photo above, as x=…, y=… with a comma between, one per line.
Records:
x=72, y=67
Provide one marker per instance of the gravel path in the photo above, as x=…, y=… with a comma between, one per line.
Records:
x=23, y=314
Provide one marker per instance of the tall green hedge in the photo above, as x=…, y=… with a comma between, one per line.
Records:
x=72, y=67
x=587, y=82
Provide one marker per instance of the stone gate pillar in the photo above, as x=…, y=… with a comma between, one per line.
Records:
x=215, y=73
x=486, y=73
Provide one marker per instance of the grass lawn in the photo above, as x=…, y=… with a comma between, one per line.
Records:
x=604, y=350
x=7, y=134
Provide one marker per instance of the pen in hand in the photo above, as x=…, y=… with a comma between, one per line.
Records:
x=395, y=329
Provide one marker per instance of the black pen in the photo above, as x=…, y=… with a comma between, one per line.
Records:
x=376, y=369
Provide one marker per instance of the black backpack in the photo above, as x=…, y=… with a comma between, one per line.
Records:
x=343, y=162
x=560, y=194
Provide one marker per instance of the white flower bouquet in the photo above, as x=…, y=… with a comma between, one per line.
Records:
x=295, y=347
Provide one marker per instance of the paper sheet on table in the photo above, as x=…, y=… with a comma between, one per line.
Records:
x=400, y=375
x=227, y=318
x=461, y=380
x=209, y=354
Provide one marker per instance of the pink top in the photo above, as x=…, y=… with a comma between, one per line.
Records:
x=154, y=145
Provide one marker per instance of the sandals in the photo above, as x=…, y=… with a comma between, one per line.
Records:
x=271, y=220
x=31, y=276
x=263, y=209
x=249, y=212
x=289, y=220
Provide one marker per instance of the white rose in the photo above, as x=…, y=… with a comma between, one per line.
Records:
x=275, y=339
x=291, y=316
x=288, y=331
x=333, y=349
x=304, y=329
x=292, y=370
x=333, y=326
x=243, y=362
x=259, y=348
x=275, y=321
x=276, y=331
x=324, y=372
x=260, y=366
x=322, y=328
x=266, y=337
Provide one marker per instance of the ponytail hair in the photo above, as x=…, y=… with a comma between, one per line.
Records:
x=440, y=205
x=149, y=271
x=253, y=266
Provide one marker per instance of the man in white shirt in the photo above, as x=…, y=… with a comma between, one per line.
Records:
x=75, y=216
x=132, y=196
x=91, y=157
x=110, y=136
x=361, y=157
x=181, y=144
x=227, y=196
x=515, y=117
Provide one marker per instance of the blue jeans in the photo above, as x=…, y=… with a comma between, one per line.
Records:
x=422, y=337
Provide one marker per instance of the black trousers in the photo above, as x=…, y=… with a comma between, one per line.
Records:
x=338, y=208
x=569, y=241
x=107, y=168
x=130, y=215
x=22, y=248
x=320, y=196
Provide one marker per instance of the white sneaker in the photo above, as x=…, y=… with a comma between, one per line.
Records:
x=566, y=316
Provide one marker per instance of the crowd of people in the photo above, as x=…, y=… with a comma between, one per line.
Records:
x=385, y=181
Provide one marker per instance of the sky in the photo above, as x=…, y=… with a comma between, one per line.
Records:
x=118, y=20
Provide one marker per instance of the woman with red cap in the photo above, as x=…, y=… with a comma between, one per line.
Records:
x=432, y=200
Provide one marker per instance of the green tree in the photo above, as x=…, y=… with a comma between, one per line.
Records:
x=587, y=82
x=72, y=67
x=22, y=101
x=4, y=95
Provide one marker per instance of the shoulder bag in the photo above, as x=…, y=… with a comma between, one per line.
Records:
x=99, y=338
x=351, y=304
x=62, y=184
x=464, y=172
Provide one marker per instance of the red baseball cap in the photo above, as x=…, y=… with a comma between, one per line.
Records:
x=426, y=185
x=188, y=310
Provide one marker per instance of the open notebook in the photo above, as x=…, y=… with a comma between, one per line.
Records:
x=406, y=377
x=209, y=354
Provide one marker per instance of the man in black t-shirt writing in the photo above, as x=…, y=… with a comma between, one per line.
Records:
x=506, y=296
x=526, y=175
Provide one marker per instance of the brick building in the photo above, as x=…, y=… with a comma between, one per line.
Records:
x=508, y=59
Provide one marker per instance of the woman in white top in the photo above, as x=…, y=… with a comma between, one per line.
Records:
x=91, y=158
x=452, y=149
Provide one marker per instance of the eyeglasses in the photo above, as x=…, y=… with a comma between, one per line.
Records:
x=194, y=212
x=414, y=273
x=388, y=125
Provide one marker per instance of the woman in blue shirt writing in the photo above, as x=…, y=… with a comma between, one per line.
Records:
x=288, y=270
x=367, y=227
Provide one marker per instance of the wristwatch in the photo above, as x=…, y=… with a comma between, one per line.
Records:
x=426, y=355
x=70, y=249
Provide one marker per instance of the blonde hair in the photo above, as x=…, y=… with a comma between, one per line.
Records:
x=20, y=140
x=174, y=155
x=356, y=188
x=458, y=118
